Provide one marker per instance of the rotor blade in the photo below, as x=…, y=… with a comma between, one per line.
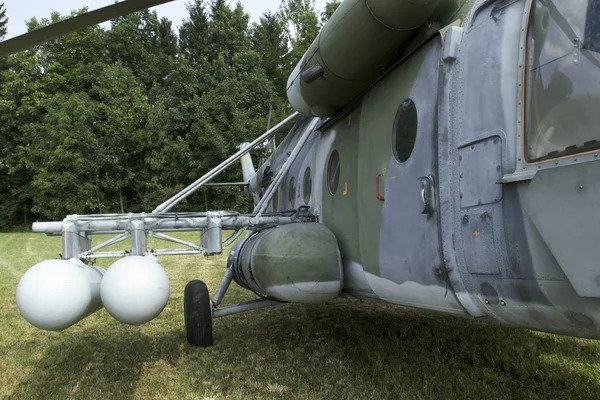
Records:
x=72, y=24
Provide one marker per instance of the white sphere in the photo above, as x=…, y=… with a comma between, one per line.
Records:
x=135, y=289
x=55, y=294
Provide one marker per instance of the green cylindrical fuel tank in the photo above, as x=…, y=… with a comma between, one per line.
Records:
x=354, y=47
x=298, y=263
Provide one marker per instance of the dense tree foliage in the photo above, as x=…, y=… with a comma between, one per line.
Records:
x=330, y=8
x=115, y=120
x=301, y=24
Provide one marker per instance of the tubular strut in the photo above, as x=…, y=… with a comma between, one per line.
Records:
x=263, y=203
x=173, y=201
x=76, y=229
x=246, y=306
x=259, y=209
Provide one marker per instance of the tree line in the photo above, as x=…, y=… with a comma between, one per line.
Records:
x=118, y=119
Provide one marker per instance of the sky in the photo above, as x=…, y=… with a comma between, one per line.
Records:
x=19, y=11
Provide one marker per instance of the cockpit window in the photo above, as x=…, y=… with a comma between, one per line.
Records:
x=562, y=85
x=592, y=27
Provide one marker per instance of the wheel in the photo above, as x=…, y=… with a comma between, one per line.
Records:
x=197, y=311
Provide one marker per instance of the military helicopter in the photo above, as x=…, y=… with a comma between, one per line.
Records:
x=445, y=156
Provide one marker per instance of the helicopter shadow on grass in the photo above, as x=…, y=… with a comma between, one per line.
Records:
x=341, y=350
x=87, y=364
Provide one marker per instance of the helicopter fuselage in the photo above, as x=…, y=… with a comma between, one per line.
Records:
x=465, y=180
x=448, y=148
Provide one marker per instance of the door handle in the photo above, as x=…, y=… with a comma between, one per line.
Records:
x=379, y=197
x=427, y=195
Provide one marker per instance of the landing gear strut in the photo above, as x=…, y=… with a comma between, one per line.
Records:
x=199, y=313
x=197, y=310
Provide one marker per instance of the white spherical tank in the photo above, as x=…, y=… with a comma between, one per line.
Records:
x=55, y=294
x=135, y=289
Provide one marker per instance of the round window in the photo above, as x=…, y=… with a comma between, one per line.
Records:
x=292, y=193
x=307, y=185
x=275, y=201
x=333, y=172
x=405, y=130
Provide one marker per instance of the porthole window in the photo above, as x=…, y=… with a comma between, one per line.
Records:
x=307, y=185
x=275, y=201
x=333, y=172
x=405, y=130
x=292, y=193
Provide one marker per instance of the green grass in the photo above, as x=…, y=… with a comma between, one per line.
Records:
x=344, y=349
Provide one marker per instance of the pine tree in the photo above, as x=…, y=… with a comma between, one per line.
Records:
x=3, y=21
x=270, y=42
x=302, y=26
x=330, y=8
x=192, y=33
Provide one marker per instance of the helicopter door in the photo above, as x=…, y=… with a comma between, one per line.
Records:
x=400, y=241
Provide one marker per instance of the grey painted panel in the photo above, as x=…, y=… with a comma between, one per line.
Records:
x=483, y=84
x=529, y=256
x=480, y=171
x=478, y=240
x=410, y=247
x=564, y=205
x=410, y=254
x=482, y=98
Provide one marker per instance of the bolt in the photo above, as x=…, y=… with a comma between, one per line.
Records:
x=580, y=187
x=459, y=158
x=502, y=303
x=497, y=168
x=461, y=195
x=487, y=301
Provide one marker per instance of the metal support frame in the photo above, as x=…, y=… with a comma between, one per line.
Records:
x=244, y=184
x=223, y=286
x=264, y=202
x=173, y=201
x=74, y=242
x=110, y=242
x=76, y=230
x=246, y=306
x=168, y=238
x=138, y=238
x=165, y=223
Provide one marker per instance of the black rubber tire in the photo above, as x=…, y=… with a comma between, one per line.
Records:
x=197, y=311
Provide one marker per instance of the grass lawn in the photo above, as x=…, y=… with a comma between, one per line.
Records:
x=345, y=349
